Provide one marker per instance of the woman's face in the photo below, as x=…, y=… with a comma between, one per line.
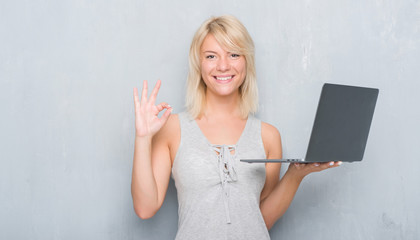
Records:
x=223, y=71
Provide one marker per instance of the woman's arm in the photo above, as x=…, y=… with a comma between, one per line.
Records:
x=152, y=162
x=277, y=195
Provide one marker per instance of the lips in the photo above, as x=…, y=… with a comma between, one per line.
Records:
x=224, y=79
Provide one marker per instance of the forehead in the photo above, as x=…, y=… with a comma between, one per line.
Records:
x=210, y=43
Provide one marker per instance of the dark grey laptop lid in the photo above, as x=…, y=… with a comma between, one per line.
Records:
x=342, y=123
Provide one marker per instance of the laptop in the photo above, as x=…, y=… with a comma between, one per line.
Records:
x=341, y=126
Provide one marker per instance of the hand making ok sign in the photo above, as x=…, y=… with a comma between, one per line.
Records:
x=146, y=112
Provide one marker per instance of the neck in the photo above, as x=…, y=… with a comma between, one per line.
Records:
x=222, y=106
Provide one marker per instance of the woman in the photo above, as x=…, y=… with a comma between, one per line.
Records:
x=219, y=197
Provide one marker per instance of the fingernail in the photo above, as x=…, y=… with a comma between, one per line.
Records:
x=339, y=163
x=316, y=164
x=169, y=105
x=331, y=163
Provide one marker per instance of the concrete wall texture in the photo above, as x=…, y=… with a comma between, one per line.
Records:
x=67, y=70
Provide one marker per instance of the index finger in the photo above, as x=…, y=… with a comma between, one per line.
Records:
x=144, y=92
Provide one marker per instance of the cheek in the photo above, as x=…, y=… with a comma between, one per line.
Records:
x=243, y=73
x=205, y=73
x=241, y=67
x=205, y=69
x=241, y=70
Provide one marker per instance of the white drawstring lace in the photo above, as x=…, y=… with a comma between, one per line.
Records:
x=227, y=172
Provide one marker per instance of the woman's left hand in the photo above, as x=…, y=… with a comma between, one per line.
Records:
x=303, y=169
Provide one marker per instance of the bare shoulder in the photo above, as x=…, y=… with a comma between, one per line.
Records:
x=171, y=129
x=170, y=135
x=172, y=123
x=271, y=140
x=269, y=131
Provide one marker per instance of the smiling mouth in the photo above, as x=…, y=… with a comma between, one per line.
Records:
x=224, y=78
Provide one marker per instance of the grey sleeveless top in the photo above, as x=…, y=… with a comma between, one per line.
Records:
x=218, y=195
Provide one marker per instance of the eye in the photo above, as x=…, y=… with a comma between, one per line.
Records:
x=234, y=55
x=210, y=56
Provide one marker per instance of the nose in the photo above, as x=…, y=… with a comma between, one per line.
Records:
x=223, y=64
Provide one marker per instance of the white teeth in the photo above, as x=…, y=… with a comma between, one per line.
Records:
x=224, y=78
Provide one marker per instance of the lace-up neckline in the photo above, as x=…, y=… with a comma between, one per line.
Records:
x=226, y=158
x=227, y=172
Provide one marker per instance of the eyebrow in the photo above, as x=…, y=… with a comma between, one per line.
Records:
x=229, y=52
x=209, y=51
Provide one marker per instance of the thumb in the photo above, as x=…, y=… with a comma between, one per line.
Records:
x=166, y=115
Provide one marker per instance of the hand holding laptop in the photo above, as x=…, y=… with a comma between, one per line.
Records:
x=303, y=169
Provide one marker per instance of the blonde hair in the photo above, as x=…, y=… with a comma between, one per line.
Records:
x=231, y=34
